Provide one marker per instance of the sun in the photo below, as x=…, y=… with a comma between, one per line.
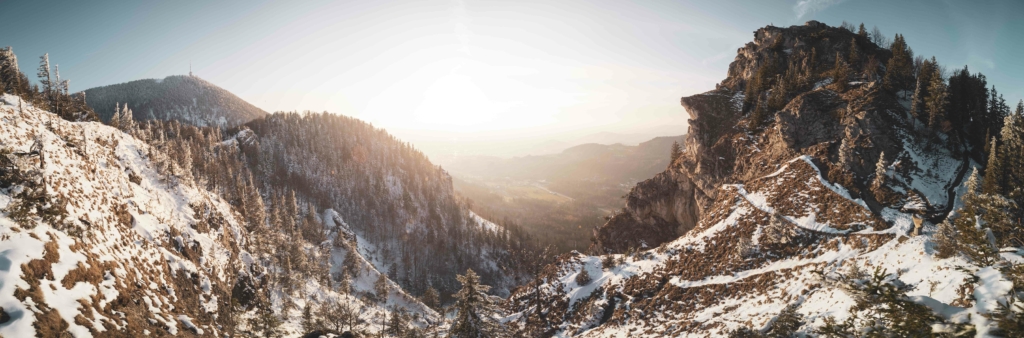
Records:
x=456, y=100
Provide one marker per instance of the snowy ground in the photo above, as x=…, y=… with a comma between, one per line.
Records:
x=126, y=241
x=913, y=259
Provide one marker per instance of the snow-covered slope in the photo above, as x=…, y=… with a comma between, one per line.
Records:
x=791, y=219
x=94, y=241
x=740, y=268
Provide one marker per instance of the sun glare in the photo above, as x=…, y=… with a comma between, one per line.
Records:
x=455, y=100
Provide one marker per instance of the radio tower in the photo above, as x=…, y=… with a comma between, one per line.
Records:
x=190, y=68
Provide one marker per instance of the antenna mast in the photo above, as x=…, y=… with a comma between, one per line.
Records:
x=190, y=68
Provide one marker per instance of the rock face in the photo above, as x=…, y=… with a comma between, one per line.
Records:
x=722, y=148
x=657, y=210
x=777, y=193
x=186, y=99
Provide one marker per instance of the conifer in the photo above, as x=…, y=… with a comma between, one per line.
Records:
x=880, y=170
x=840, y=73
x=583, y=278
x=380, y=288
x=900, y=69
x=937, y=99
x=758, y=116
x=677, y=151
x=854, y=57
x=45, y=79
x=431, y=299
x=115, y=121
x=993, y=171
x=474, y=309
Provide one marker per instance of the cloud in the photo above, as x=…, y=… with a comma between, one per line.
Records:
x=804, y=7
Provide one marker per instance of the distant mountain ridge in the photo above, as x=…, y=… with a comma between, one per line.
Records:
x=183, y=98
x=585, y=161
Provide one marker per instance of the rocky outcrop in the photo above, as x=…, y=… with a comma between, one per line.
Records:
x=816, y=118
x=782, y=191
x=657, y=210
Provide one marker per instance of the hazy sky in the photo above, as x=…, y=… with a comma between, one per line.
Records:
x=477, y=69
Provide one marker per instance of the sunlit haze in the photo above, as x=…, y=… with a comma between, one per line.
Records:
x=466, y=76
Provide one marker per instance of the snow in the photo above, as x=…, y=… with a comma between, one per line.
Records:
x=94, y=179
x=16, y=249
x=911, y=259
x=483, y=223
x=187, y=322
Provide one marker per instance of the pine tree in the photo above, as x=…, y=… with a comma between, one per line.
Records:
x=308, y=322
x=127, y=122
x=351, y=263
x=880, y=170
x=840, y=73
x=583, y=278
x=962, y=234
x=474, y=309
x=264, y=322
x=344, y=283
x=677, y=151
x=380, y=288
x=256, y=215
x=10, y=75
x=1012, y=158
x=431, y=299
x=854, y=57
x=993, y=171
x=758, y=116
x=115, y=121
x=312, y=229
x=899, y=72
x=779, y=96
x=846, y=155
x=861, y=31
x=398, y=325
x=45, y=80
x=291, y=209
x=936, y=101
x=788, y=321
x=881, y=309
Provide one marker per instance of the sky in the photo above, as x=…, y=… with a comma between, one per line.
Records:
x=476, y=76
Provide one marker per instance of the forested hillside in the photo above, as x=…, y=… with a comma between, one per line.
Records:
x=290, y=224
x=182, y=98
x=422, y=232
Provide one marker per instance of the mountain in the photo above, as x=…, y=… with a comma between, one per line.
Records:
x=421, y=231
x=183, y=98
x=591, y=161
x=101, y=238
x=287, y=225
x=792, y=210
x=558, y=199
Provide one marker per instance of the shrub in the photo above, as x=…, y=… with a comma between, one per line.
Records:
x=608, y=261
x=583, y=278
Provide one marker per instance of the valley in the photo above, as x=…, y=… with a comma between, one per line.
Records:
x=830, y=181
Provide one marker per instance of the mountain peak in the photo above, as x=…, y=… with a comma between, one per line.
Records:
x=185, y=98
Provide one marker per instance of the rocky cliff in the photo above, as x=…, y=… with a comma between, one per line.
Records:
x=815, y=118
x=802, y=169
